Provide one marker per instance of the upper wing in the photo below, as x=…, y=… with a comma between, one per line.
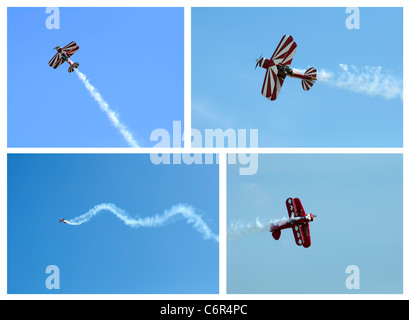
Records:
x=285, y=51
x=272, y=83
x=298, y=206
x=70, y=48
x=304, y=228
x=301, y=232
x=56, y=61
x=295, y=209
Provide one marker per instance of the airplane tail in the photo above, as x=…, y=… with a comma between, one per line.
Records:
x=312, y=74
x=73, y=67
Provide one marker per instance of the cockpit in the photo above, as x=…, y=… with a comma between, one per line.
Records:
x=284, y=69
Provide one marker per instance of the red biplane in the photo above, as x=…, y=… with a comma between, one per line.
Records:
x=62, y=220
x=278, y=67
x=64, y=54
x=299, y=221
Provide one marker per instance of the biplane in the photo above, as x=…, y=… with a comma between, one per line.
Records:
x=64, y=54
x=278, y=68
x=63, y=220
x=298, y=220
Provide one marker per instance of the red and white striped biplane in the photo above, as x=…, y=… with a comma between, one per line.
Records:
x=299, y=221
x=278, y=67
x=64, y=54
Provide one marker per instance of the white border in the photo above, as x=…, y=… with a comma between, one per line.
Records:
x=187, y=4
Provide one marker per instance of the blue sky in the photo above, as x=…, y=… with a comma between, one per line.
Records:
x=104, y=255
x=226, y=90
x=359, y=206
x=133, y=56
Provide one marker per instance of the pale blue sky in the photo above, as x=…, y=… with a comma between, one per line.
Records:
x=104, y=255
x=359, y=206
x=226, y=90
x=133, y=56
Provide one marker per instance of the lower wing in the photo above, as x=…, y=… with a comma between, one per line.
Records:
x=272, y=83
x=298, y=235
x=56, y=61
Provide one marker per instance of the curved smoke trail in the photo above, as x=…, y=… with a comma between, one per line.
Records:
x=186, y=211
x=112, y=115
x=239, y=229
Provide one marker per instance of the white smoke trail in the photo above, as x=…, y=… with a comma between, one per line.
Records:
x=372, y=81
x=239, y=229
x=112, y=115
x=186, y=211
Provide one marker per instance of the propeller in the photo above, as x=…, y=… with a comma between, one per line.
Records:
x=258, y=61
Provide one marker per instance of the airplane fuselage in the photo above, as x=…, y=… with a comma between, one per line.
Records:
x=297, y=223
x=284, y=70
x=67, y=59
x=293, y=222
x=64, y=56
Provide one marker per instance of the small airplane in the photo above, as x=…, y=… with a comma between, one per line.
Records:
x=299, y=221
x=278, y=67
x=64, y=54
x=63, y=220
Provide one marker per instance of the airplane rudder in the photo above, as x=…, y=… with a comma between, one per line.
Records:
x=306, y=84
x=312, y=73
